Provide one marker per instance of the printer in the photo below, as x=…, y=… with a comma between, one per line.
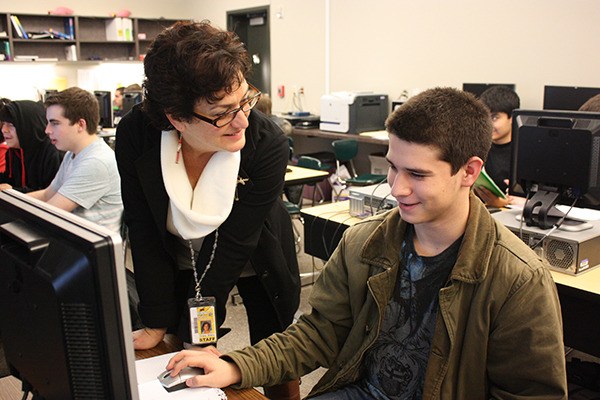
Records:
x=353, y=112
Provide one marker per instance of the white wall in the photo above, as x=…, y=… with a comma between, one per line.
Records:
x=393, y=45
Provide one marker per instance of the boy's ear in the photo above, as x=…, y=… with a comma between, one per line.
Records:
x=472, y=169
x=82, y=125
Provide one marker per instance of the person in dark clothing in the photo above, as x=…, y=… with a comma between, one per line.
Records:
x=202, y=176
x=31, y=160
x=501, y=101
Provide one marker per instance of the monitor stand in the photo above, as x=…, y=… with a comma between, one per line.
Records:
x=540, y=211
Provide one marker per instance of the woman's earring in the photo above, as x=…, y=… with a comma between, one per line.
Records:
x=178, y=150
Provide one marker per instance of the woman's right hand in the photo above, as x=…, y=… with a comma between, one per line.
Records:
x=147, y=338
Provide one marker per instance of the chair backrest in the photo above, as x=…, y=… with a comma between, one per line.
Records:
x=291, y=145
x=309, y=162
x=345, y=149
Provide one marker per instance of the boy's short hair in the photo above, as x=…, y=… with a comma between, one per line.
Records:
x=500, y=99
x=77, y=104
x=592, y=105
x=451, y=120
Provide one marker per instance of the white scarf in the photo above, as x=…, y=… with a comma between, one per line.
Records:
x=198, y=212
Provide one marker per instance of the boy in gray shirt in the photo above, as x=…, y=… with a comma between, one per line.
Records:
x=88, y=182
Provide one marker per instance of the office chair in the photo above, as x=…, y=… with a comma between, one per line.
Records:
x=345, y=151
x=314, y=163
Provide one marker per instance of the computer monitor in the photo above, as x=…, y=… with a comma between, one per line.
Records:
x=130, y=99
x=105, y=108
x=567, y=97
x=478, y=88
x=64, y=316
x=555, y=159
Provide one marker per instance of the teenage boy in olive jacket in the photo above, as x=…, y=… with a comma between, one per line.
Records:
x=432, y=300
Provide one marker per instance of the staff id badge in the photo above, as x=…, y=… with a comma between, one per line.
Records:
x=203, y=320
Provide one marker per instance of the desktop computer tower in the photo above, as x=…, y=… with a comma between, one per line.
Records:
x=564, y=251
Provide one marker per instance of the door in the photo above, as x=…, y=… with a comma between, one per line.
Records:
x=252, y=26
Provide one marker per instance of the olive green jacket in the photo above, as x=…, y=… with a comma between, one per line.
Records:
x=498, y=333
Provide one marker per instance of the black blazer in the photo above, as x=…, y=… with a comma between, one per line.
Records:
x=258, y=229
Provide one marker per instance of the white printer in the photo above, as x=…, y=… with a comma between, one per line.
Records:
x=353, y=112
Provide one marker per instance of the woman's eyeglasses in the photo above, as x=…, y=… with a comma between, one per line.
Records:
x=226, y=118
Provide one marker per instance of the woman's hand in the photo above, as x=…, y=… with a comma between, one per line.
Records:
x=148, y=338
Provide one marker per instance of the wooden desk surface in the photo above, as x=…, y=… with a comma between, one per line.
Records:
x=299, y=175
x=335, y=212
x=10, y=387
x=587, y=281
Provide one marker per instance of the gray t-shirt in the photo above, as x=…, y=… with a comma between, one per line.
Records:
x=91, y=180
x=396, y=362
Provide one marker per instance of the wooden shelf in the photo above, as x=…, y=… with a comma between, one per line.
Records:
x=89, y=34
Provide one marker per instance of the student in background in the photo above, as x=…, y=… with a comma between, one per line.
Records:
x=202, y=176
x=501, y=102
x=118, y=101
x=265, y=106
x=3, y=145
x=31, y=162
x=592, y=105
x=431, y=300
x=87, y=183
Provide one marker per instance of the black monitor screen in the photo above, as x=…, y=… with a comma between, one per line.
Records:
x=64, y=317
x=130, y=99
x=567, y=97
x=478, y=88
x=106, y=110
x=557, y=152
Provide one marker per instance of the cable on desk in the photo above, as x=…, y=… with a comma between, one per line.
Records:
x=556, y=226
x=325, y=247
x=310, y=228
x=330, y=250
x=373, y=196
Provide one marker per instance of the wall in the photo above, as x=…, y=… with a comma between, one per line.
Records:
x=394, y=45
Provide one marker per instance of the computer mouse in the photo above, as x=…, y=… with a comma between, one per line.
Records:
x=177, y=382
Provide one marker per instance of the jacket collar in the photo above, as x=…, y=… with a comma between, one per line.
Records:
x=382, y=247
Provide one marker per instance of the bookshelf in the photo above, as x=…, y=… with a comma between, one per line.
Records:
x=75, y=38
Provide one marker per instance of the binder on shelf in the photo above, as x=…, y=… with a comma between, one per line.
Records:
x=114, y=29
x=127, y=24
x=69, y=28
x=7, y=55
x=18, y=27
x=71, y=53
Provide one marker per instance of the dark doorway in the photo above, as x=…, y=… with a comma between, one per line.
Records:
x=252, y=26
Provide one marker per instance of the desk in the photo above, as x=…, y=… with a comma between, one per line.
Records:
x=300, y=176
x=10, y=387
x=579, y=295
x=109, y=135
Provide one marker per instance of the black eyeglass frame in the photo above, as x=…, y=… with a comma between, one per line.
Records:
x=252, y=101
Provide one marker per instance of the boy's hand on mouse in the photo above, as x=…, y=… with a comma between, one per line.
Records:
x=218, y=373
